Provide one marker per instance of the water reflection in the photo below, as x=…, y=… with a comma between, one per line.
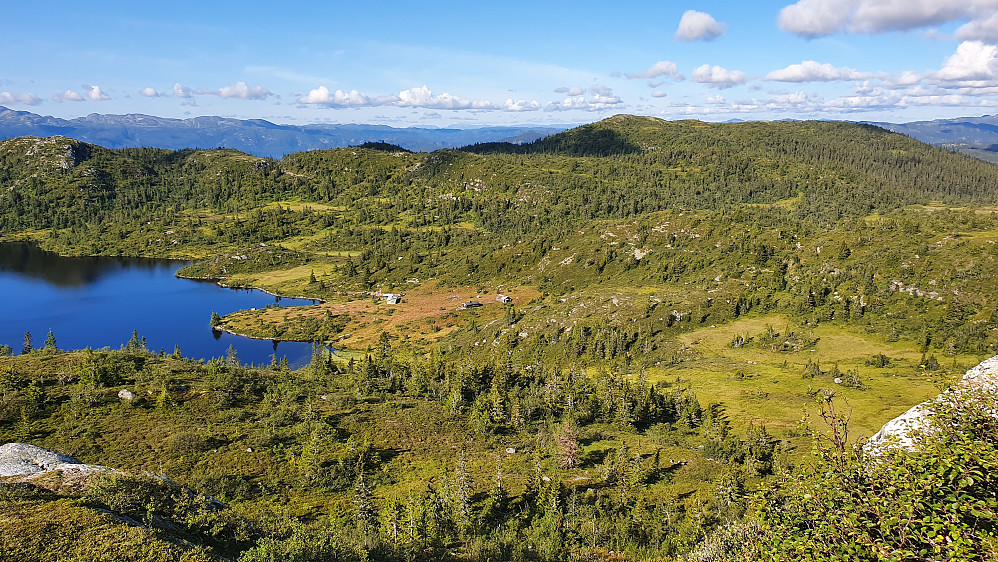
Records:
x=29, y=261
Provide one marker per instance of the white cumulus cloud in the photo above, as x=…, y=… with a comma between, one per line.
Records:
x=149, y=92
x=816, y=18
x=94, y=93
x=717, y=77
x=811, y=71
x=181, y=91
x=240, y=90
x=974, y=64
x=573, y=91
x=698, y=26
x=658, y=94
x=68, y=95
x=423, y=97
x=19, y=99
x=322, y=96
x=665, y=68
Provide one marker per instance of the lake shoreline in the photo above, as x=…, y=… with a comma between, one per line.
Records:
x=218, y=281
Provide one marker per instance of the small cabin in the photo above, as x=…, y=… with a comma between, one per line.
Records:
x=471, y=304
x=504, y=299
x=392, y=298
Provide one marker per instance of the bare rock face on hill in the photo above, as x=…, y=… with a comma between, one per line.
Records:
x=905, y=430
x=24, y=463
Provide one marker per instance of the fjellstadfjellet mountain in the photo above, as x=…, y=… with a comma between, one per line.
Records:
x=599, y=341
x=658, y=282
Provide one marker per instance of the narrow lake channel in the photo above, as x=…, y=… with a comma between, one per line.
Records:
x=99, y=301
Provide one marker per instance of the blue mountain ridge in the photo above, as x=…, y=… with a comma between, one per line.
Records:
x=254, y=136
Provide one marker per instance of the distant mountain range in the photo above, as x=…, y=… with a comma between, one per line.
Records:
x=255, y=136
x=976, y=136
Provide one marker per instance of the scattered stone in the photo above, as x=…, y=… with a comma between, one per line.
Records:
x=126, y=394
x=510, y=450
x=837, y=380
x=249, y=449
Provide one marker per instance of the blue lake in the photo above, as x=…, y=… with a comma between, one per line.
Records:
x=99, y=301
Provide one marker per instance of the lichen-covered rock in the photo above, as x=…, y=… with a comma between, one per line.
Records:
x=28, y=464
x=903, y=430
x=126, y=394
x=985, y=375
x=17, y=459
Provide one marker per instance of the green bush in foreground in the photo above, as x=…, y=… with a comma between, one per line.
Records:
x=938, y=502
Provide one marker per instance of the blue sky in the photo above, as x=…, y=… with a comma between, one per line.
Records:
x=447, y=64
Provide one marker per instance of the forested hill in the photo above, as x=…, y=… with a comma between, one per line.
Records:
x=846, y=168
x=822, y=169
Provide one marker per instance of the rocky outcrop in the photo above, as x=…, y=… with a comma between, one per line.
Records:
x=904, y=430
x=22, y=463
x=18, y=458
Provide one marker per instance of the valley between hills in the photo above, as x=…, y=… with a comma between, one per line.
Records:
x=704, y=318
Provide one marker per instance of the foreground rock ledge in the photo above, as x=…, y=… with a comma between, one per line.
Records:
x=20, y=462
x=902, y=431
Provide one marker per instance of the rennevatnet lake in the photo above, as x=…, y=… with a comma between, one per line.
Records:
x=99, y=301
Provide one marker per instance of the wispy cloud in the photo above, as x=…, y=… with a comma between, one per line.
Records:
x=812, y=71
x=664, y=68
x=284, y=74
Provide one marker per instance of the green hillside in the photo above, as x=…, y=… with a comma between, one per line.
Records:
x=682, y=294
